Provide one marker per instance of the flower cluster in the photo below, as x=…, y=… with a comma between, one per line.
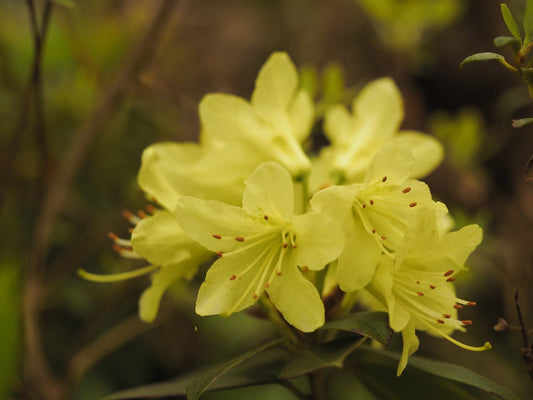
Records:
x=271, y=215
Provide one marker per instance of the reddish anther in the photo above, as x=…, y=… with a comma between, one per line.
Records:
x=466, y=322
x=384, y=179
x=266, y=217
x=217, y=236
x=112, y=235
x=383, y=237
x=371, y=202
x=239, y=239
x=451, y=279
x=432, y=286
x=278, y=273
x=440, y=321
x=141, y=214
x=420, y=293
x=254, y=296
x=446, y=315
x=413, y=204
x=364, y=205
x=448, y=273
x=471, y=304
x=150, y=208
x=373, y=231
x=219, y=254
x=406, y=190
x=458, y=306
x=267, y=285
x=232, y=277
x=285, y=245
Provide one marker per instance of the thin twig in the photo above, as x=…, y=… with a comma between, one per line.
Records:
x=37, y=369
x=527, y=349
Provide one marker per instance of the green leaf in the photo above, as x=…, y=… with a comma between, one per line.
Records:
x=510, y=22
x=501, y=41
x=486, y=57
x=261, y=367
x=375, y=325
x=200, y=384
x=528, y=21
x=329, y=355
x=367, y=356
x=519, y=123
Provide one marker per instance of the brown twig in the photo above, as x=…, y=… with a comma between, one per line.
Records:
x=527, y=349
x=37, y=371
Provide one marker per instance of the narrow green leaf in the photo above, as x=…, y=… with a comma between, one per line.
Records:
x=261, y=367
x=454, y=373
x=200, y=384
x=375, y=325
x=328, y=355
x=510, y=22
x=528, y=21
x=501, y=41
x=519, y=123
x=486, y=57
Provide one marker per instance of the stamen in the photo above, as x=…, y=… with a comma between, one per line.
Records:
x=118, y=241
x=151, y=209
x=125, y=252
x=373, y=231
x=371, y=202
x=266, y=217
x=451, y=279
x=254, y=296
x=219, y=254
x=285, y=245
x=466, y=322
x=413, y=204
x=267, y=285
x=447, y=315
x=141, y=214
x=420, y=293
x=458, y=306
x=471, y=304
x=116, y=277
x=448, y=273
x=418, y=282
x=278, y=273
x=217, y=236
x=232, y=277
x=305, y=269
x=384, y=237
x=440, y=321
x=384, y=179
x=486, y=346
x=133, y=219
x=406, y=190
x=364, y=205
x=432, y=286
x=239, y=239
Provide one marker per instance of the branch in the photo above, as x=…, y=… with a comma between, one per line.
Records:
x=37, y=369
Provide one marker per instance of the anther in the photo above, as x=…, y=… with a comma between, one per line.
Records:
x=418, y=282
x=448, y=273
x=471, y=304
x=458, y=306
x=294, y=246
x=266, y=217
x=420, y=293
x=150, y=208
x=447, y=315
x=373, y=231
x=451, y=279
x=112, y=236
x=278, y=273
x=371, y=202
x=254, y=296
x=432, y=286
x=364, y=205
x=305, y=268
x=141, y=214
x=406, y=190
x=466, y=322
x=267, y=285
x=285, y=245
x=217, y=236
x=232, y=277
x=239, y=239
x=413, y=204
x=384, y=179
x=130, y=230
x=383, y=237
x=219, y=254
x=440, y=321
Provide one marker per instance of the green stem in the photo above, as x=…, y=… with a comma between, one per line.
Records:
x=283, y=328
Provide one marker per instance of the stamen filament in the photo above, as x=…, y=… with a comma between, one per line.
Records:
x=116, y=277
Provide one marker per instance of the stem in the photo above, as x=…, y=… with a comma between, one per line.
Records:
x=318, y=387
x=283, y=328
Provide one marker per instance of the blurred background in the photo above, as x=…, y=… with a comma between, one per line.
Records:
x=85, y=86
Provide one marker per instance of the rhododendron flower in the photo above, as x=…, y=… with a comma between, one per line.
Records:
x=376, y=213
x=262, y=247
